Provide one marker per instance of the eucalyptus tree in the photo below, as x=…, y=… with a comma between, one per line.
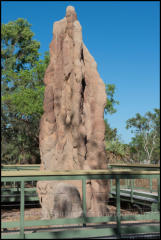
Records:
x=146, y=140
x=22, y=91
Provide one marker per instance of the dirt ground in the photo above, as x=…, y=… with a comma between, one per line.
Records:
x=35, y=213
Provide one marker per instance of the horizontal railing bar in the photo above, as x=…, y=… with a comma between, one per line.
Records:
x=69, y=221
x=87, y=232
x=111, y=164
x=135, y=165
x=136, y=201
x=141, y=229
x=67, y=233
x=73, y=177
x=76, y=172
x=11, y=236
x=14, y=199
x=138, y=193
x=136, y=188
x=21, y=165
x=14, y=190
x=59, y=221
x=135, y=169
x=148, y=216
x=10, y=224
x=30, y=190
x=29, y=223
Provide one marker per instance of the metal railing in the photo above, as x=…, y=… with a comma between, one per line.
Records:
x=150, y=167
x=119, y=229
x=135, y=166
x=130, y=184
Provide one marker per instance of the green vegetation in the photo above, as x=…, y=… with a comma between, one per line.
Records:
x=145, y=145
x=22, y=92
x=113, y=141
x=111, y=102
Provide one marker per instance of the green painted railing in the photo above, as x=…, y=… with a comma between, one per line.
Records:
x=130, y=184
x=147, y=167
x=19, y=167
x=119, y=229
x=11, y=192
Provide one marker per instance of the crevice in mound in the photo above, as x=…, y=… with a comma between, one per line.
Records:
x=85, y=142
x=82, y=56
x=82, y=94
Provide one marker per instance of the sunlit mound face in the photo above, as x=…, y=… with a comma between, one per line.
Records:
x=71, y=16
x=72, y=126
x=70, y=10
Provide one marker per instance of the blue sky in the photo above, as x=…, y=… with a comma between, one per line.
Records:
x=123, y=37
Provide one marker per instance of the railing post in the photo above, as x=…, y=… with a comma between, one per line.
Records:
x=132, y=189
x=158, y=194
x=118, y=206
x=150, y=183
x=128, y=183
x=22, y=210
x=84, y=200
x=110, y=185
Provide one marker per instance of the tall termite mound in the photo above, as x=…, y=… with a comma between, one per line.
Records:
x=72, y=127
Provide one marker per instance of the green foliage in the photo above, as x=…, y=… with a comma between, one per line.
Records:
x=117, y=147
x=19, y=50
x=145, y=144
x=111, y=102
x=110, y=134
x=111, y=137
x=22, y=92
x=25, y=102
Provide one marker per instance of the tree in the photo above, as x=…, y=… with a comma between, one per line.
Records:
x=22, y=92
x=111, y=102
x=112, y=139
x=118, y=148
x=19, y=51
x=110, y=133
x=147, y=135
x=109, y=109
